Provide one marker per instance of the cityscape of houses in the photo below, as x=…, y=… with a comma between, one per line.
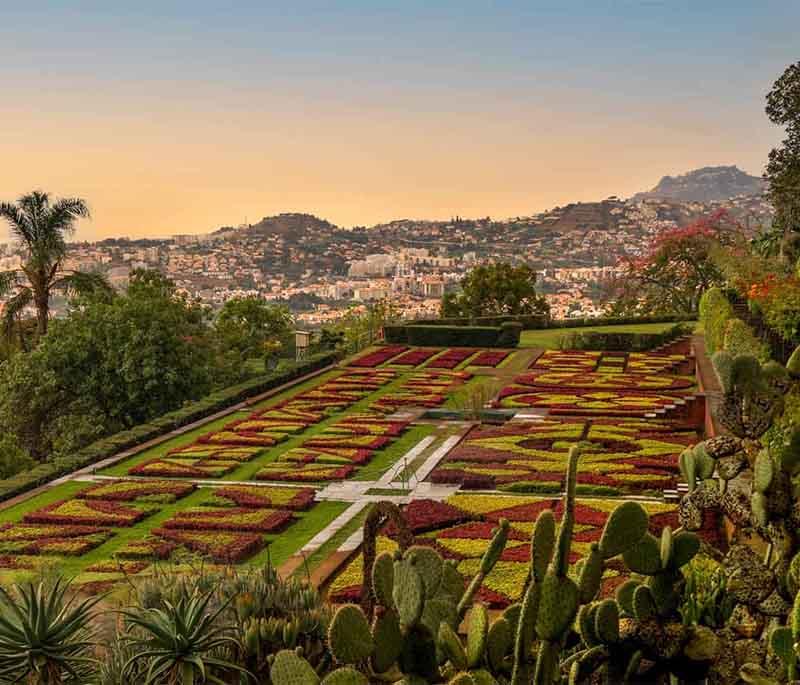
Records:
x=322, y=271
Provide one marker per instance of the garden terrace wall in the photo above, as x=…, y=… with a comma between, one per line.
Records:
x=124, y=440
x=506, y=335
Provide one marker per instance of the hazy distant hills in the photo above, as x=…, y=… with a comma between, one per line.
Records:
x=289, y=225
x=674, y=200
x=709, y=184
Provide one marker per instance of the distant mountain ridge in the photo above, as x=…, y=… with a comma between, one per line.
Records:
x=708, y=184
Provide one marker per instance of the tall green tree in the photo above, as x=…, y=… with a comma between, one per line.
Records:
x=247, y=324
x=111, y=363
x=783, y=168
x=496, y=290
x=41, y=226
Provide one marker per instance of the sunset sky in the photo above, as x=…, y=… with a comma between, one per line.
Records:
x=179, y=117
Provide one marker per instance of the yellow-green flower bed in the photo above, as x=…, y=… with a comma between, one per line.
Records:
x=620, y=456
x=466, y=540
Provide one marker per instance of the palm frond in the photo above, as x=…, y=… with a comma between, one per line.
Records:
x=83, y=283
x=17, y=221
x=60, y=220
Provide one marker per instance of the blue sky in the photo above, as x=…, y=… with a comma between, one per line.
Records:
x=352, y=109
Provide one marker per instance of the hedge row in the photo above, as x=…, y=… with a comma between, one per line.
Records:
x=538, y=322
x=723, y=330
x=124, y=440
x=621, y=342
x=506, y=335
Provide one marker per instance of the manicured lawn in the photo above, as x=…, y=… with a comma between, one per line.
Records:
x=548, y=338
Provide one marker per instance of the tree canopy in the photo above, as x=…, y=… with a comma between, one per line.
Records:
x=111, y=363
x=248, y=324
x=676, y=267
x=783, y=168
x=496, y=289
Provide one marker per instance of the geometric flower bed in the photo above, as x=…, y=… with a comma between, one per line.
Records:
x=490, y=358
x=379, y=356
x=151, y=547
x=607, y=362
x=584, y=401
x=617, y=380
x=466, y=540
x=175, y=467
x=623, y=456
x=218, y=453
x=451, y=358
x=231, y=519
x=261, y=496
x=334, y=453
x=220, y=546
x=143, y=491
x=22, y=538
x=89, y=513
x=422, y=389
x=416, y=356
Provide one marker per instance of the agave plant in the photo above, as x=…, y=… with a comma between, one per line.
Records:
x=45, y=638
x=180, y=642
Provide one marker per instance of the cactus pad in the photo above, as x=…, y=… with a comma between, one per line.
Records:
x=477, y=633
x=451, y=647
x=349, y=636
x=429, y=564
x=345, y=676
x=543, y=540
x=388, y=641
x=408, y=593
x=645, y=557
x=383, y=579
x=558, y=604
x=288, y=668
x=624, y=528
x=606, y=621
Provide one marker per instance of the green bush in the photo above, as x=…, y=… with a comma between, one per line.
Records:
x=739, y=338
x=620, y=342
x=715, y=312
x=124, y=440
x=454, y=336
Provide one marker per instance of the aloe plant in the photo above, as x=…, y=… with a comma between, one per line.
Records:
x=181, y=642
x=45, y=637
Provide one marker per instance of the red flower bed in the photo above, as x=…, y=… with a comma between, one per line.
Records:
x=147, y=548
x=231, y=519
x=416, y=357
x=379, y=356
x=260, y=497
x=451, y=359
x=427, y=514
x=86, y=512
x=222, y=547
x=490, y=358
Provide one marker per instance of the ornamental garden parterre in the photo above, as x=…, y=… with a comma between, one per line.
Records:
x=262, y=484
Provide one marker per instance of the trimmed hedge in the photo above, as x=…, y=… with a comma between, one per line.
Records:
x=530, y=322
x=527, y=320
x=621, y=342
x=739, y=338
x=506, y=335
x=715, y=313
x=127, y=439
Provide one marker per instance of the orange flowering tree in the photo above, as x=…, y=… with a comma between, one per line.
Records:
x=674, y=268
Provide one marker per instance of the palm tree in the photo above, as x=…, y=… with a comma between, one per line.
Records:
x=41, y=226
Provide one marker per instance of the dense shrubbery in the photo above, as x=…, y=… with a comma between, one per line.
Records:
x=505, y=335
x=101, y=449
x=621, y=342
